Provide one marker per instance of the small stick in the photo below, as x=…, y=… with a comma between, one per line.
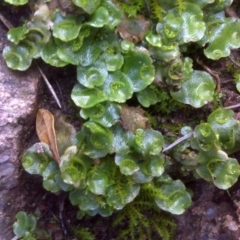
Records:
x=191, y=133
x=49, y=86
x=231, y=13
x=217, y=79
x=67, y=231
x=6, y=22
x=147, y=7
x=60, y=90
x=232, y=106
x=15, y=238
x=185, y=137
x=237, y=64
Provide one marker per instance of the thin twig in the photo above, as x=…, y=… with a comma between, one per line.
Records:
x=217, y=79
x=49, y=86
x=185, y=137
x=231, y=13
x=5, y=22
x=15, y=238
x=60, y=90
x=237, y=64
x=147, y=7
x=232, y=106
x=67, y=231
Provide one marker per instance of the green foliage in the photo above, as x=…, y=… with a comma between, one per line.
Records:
x=88, y=6
x=97, y=140
x=166, y=103
x=212, y=142
x=38, y=160
x=116, y=158
x=66, y=29
x=236, y=77
x=169, y=195
x=141, y=219
x=132, y=7
x=17, y=2
x=25, y=227
x=17, y=34
x=218, y=45
x=140, y=75
x=105, y=113
x=17, y=57
x=233, y=69
x=196, y=91
x=83, y=233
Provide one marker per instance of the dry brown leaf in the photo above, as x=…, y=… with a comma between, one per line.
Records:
x=46, y=131
x=133, y=29
x=133, y=118
x=65, y=6
x=65, y=132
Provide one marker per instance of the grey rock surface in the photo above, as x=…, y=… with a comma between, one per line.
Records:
x=18, y=97
x=214, y=214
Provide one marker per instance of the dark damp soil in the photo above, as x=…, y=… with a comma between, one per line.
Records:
x=214, y=214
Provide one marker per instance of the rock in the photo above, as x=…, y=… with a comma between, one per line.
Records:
x=18, y=98
x=212, y=215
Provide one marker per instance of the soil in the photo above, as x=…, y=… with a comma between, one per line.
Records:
x=214, y=214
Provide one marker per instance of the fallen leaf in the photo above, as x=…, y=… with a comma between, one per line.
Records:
x=65, y=6
x=133, y=29
x=46, y=131
x=133, y=118
x=65, y=132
